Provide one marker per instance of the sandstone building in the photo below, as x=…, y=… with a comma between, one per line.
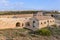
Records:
x=33, y=20
x=41, y=22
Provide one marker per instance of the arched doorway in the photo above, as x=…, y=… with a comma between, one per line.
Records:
x=27, y=24
x=17, y=24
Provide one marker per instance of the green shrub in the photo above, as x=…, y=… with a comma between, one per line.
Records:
x=54, y=25
x=44, y=32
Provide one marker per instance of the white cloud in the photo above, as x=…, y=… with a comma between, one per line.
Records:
x=4, y=2
x=7, y=4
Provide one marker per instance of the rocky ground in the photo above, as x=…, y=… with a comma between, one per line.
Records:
x=23, y=34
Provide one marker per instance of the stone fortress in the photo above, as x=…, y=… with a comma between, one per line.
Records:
x=25, y=19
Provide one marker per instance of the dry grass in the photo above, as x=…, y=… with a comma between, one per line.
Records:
x=24, y=34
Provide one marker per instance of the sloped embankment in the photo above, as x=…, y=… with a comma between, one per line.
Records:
x=23, y=34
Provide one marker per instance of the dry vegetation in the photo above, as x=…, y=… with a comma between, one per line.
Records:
x=26, y=12
x=25, y=34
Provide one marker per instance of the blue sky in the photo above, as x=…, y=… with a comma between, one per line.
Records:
x=29, y=4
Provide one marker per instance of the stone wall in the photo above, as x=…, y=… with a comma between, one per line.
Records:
x=43, y=24
x=11, y=22
x=17, y=15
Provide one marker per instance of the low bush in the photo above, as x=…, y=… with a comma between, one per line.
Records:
x=54, y=25
x=44, y=32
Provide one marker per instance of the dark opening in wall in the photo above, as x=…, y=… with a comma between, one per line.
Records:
x=52, y=15
x=33, y=21
x=41, y=22
x=22, y=24
x=17, y=24
x=27, y=24
x=33, y=26
x=44, y=22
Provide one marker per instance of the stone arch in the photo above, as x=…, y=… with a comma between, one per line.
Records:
x=27, y=24
x=18, y=24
